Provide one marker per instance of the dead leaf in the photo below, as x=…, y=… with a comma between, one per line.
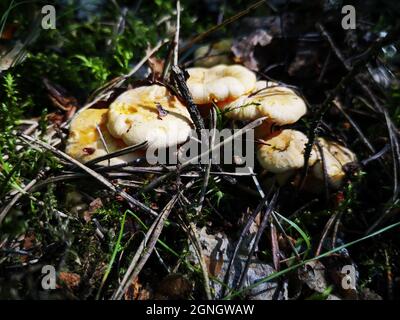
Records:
x=275, y=246
x=29, y=240
x=56, y=118
x=218, y=250
x=136, y=291
x=69, y=279
x=173, y=287
x=243, y=49
x=61, y=99
x=157, y=66
x=8, y=32
x=313, y=275
x=95, y=205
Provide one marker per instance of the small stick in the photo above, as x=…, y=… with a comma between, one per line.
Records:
x=200, y=255
x=178, y=26
x=103, y=141
x=325, y=233
x=180, y=81
x=213, y=117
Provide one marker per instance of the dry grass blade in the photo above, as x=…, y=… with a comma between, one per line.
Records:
x=199, y=252
x=325, y=232
x=146, y=247
x=246, y=228
x=324, y=171
x=213, y=120
x=356, y=127
x=274, y=216
x=260, y=231
x=94, y=174
x=118, y=153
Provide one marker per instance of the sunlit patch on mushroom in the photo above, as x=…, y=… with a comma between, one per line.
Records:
x=149, y=114
x=220, y=83
x=284, y=152
x=333, y=160
x=268, y=99
x=85, y=143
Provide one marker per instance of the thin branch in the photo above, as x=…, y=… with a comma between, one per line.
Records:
x=178, y=26
x=200, y=256
x=213, y=117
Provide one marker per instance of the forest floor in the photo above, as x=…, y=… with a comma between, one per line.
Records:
x=124, y=232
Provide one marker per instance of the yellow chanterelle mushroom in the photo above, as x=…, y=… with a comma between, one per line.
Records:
x=220, y=83
x=149, y=114
x=284, y=151
x=280, y=104
x=85, y=143
x=335, y=156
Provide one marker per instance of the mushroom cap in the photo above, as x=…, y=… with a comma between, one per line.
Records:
x=84, y=142
x=335, y=157
x=149, y=114
x=219, y=83
x=284, y=151
x=280, y=104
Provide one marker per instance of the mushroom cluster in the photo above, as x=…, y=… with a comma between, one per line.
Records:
x=148, y=113
x=235, y=90
x=153, y=114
